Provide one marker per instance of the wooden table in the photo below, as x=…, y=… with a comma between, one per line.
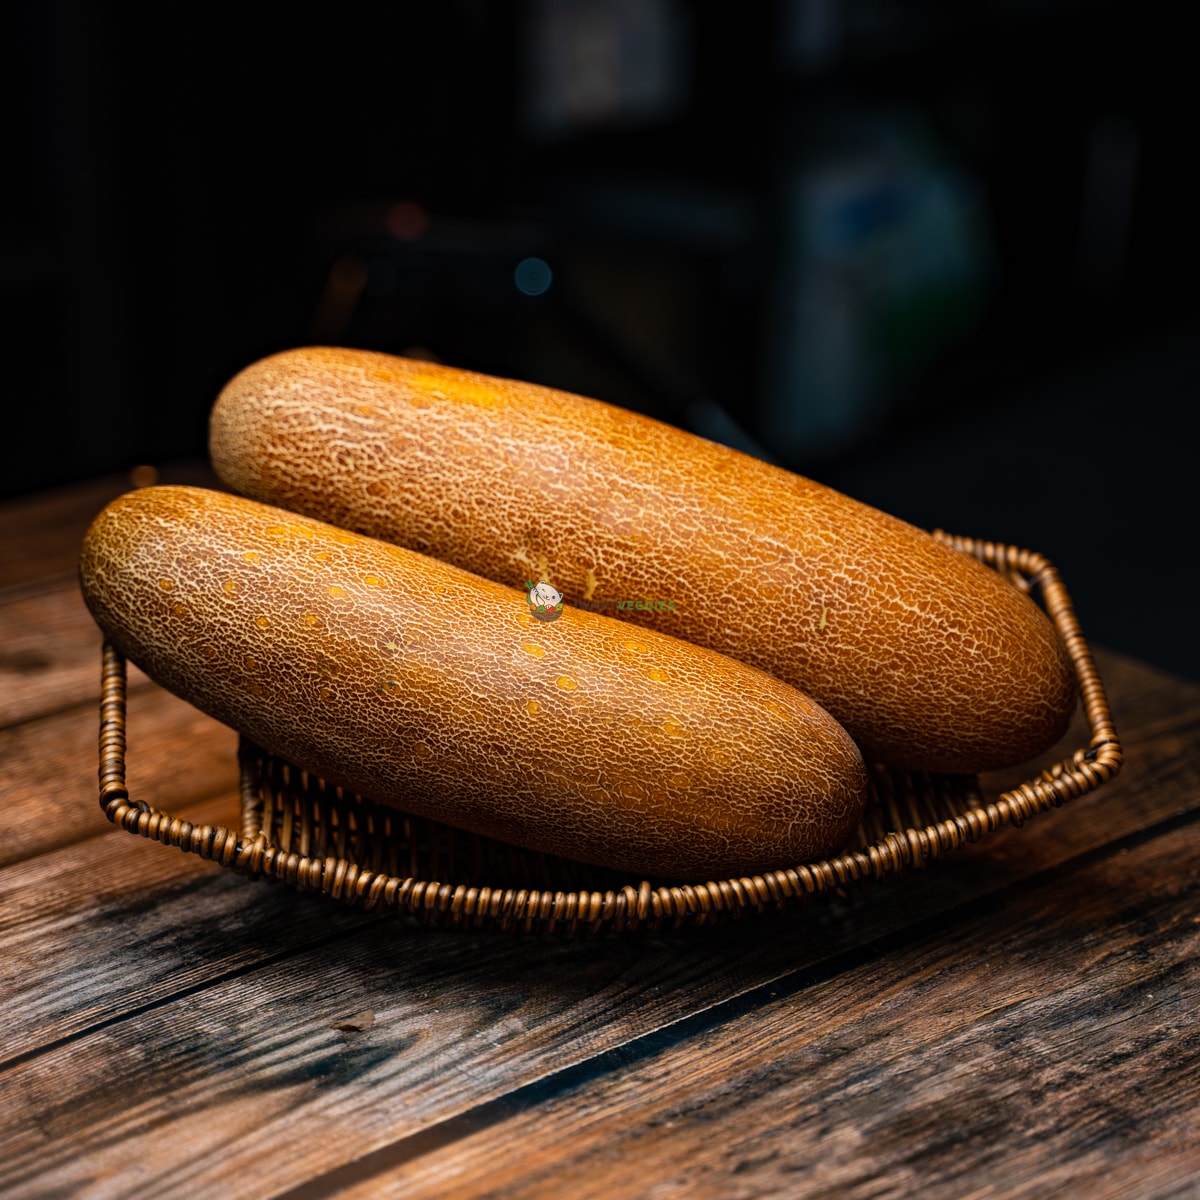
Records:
x=1019, y=1020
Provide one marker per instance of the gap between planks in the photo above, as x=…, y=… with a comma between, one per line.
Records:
x=901, y=1077
x=51, y=792
x=1006, y=858
x=627, y=1055
x=671, y=1033
x=50, y=653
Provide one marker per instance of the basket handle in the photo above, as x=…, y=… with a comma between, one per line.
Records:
x=1088, y=768
x=216, y=842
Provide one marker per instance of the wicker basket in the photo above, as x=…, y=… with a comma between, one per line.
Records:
x=297, y=829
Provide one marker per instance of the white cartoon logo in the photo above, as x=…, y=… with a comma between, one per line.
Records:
x=545, y=602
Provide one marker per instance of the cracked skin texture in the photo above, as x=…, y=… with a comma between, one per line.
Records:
x=931, y=660
x=422, y=685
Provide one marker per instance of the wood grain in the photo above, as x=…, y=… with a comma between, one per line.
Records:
x=49, y=652
x=1017, y=1020
x=50, y=770
x=124, y=925
x=232, y=1047
x=1048, y=1045
x=40, y=534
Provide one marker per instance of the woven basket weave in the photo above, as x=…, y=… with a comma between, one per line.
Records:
x=298, y=829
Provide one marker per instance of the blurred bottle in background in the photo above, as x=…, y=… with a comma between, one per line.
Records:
x=883, y=259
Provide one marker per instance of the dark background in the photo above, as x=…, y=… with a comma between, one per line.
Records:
x=940, y=255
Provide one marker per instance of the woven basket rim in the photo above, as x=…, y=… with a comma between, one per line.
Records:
x=251, y=852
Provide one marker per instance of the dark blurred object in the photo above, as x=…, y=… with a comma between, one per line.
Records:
x=516, y=299
x=884, y=259
x=1092, y=467
x=595, y=64
x=594, y=196
x=169, y=204
x=174, y=211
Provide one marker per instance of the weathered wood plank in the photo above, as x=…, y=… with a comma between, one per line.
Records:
x=41, y=533
x=49, y=652
x=177, y=756
x=1047, y=1046
x=197, y=1084
x=104, y=928
x=124, y=945
x=166, y=733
